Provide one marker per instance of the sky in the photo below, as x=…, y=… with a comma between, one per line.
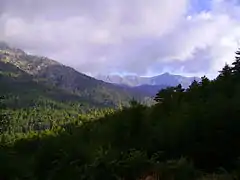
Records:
x=142, y=37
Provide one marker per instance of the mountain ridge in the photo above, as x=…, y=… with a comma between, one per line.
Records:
x=165, y=79
x=50, y=72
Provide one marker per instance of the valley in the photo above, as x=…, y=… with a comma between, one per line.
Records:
x=57, y=123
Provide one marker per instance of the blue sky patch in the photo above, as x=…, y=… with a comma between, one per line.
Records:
x=199, y=6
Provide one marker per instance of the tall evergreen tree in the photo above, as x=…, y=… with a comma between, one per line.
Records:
x=236, y=63
x=226, y=72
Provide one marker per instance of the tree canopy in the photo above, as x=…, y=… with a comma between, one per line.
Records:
x=188, y=134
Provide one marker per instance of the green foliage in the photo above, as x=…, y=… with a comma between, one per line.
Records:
x=188, y=134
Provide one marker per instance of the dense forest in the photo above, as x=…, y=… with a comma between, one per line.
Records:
x=188, y=134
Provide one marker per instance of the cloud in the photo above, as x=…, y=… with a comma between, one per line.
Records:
x=203, y=43
x=134, y=36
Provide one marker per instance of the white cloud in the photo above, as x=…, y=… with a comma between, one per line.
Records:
x=134, y=36
x=215, y=34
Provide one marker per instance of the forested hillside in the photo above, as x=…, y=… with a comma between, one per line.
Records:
x=188, y=134
x=48, y=74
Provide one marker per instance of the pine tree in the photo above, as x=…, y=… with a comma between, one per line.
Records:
x=236, y=63
x=225, y=72
x=165, y=95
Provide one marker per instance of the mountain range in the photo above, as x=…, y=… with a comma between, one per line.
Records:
x=35, y=76
x=23, y=75
x=148, y=85
x=165, y=79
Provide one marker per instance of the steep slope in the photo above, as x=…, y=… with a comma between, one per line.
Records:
x=52, y=73
x=21, y=90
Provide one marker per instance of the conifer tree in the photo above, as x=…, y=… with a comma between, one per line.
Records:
x=236, y=63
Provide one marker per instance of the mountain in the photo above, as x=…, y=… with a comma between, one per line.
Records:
x=129, y=80
x=21, y=90
x=149, y=90
x=172, y=80
x=44, y=73
x=165, y=79
x=148, y=85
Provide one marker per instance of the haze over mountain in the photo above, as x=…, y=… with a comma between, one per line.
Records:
x=165, y=79
x=148, y=85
